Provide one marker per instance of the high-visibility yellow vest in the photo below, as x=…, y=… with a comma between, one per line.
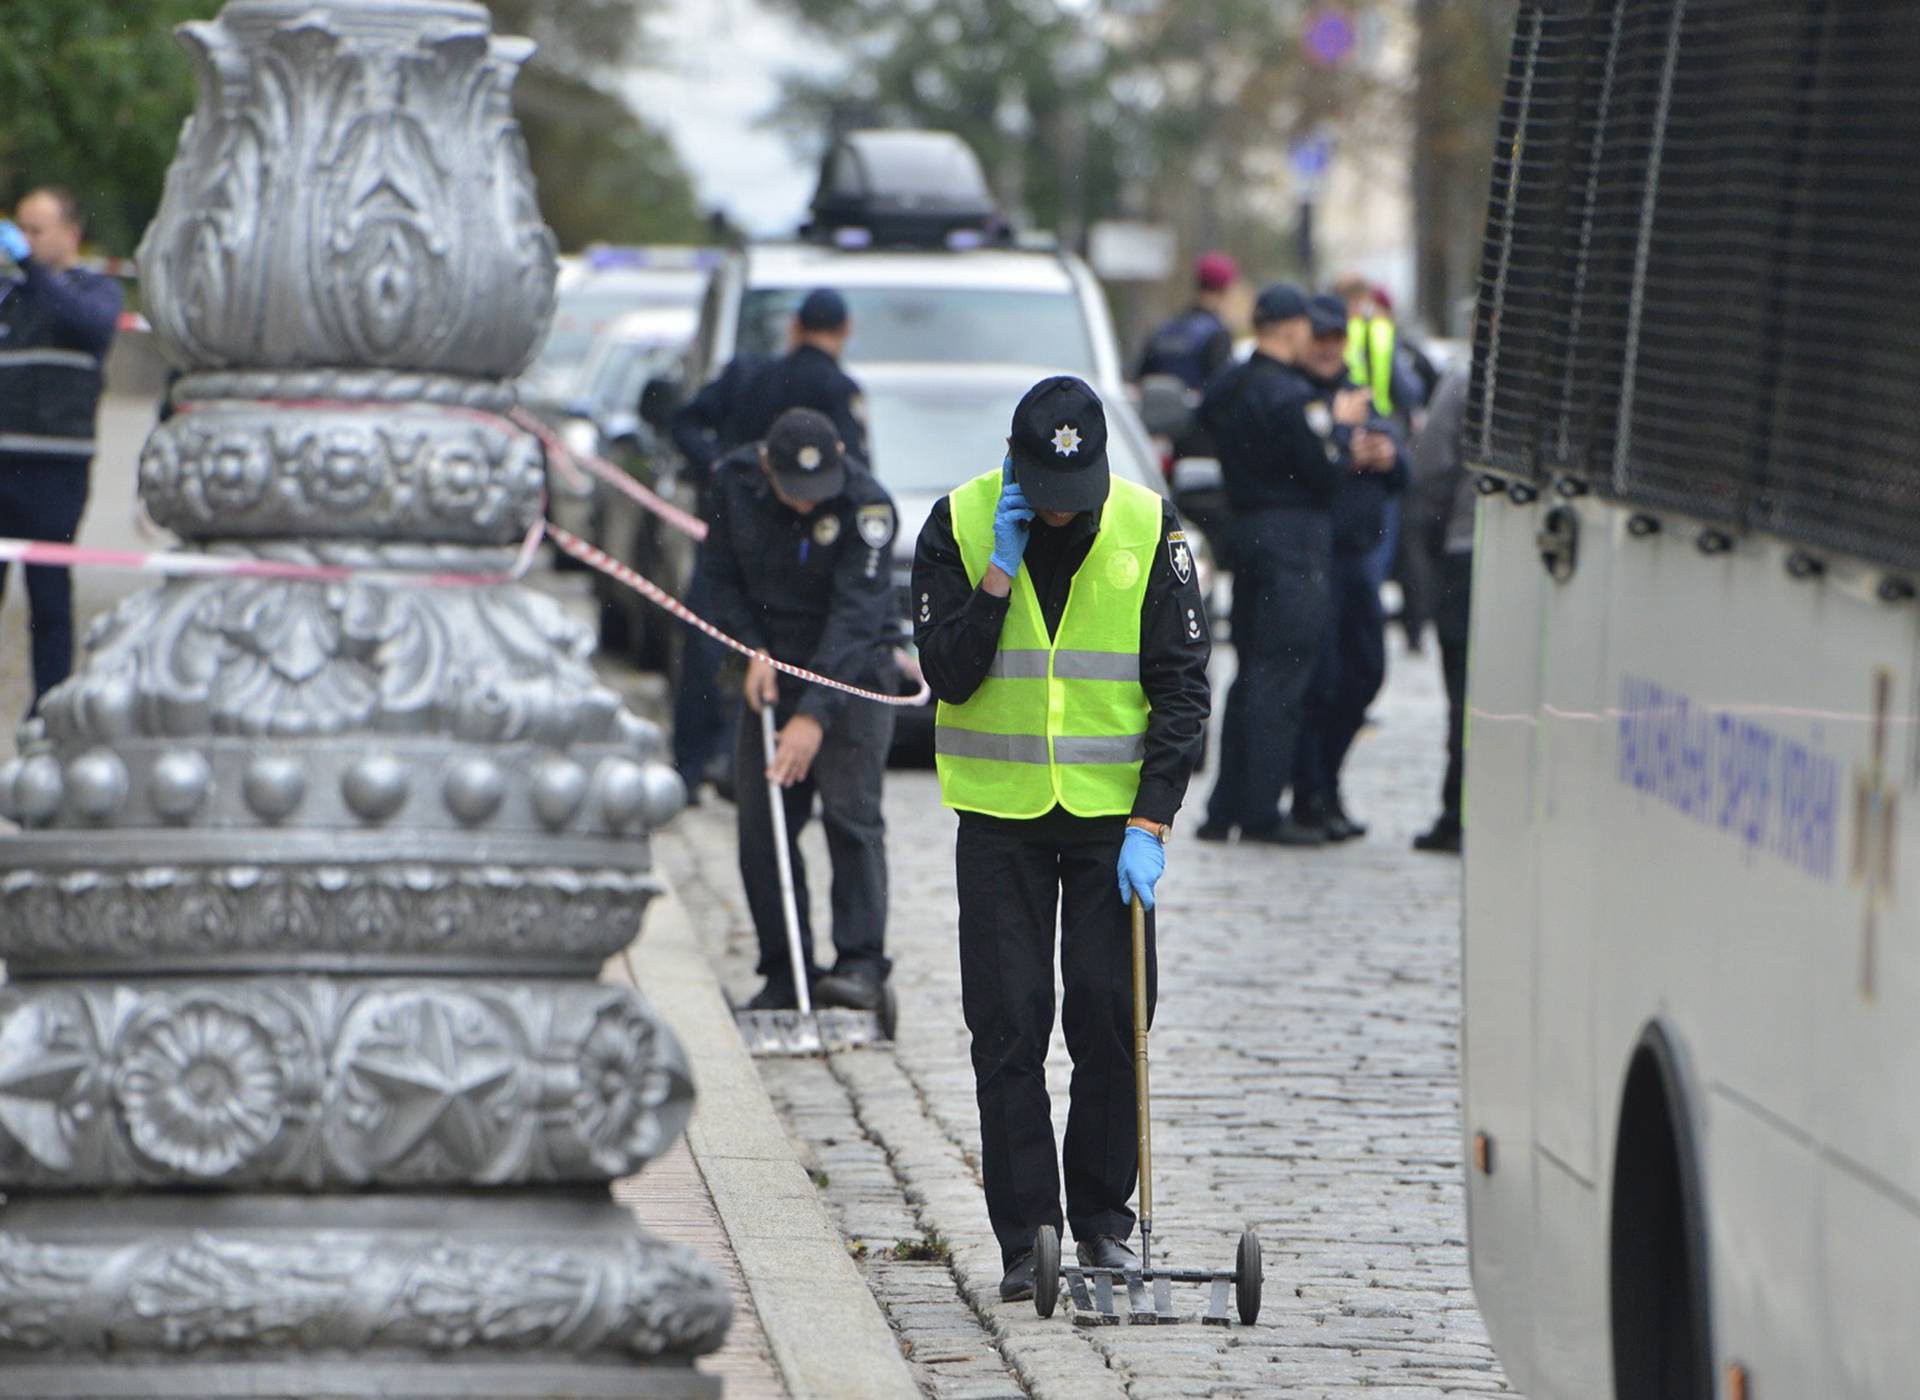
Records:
x=1060, y=719
x=1370, y=358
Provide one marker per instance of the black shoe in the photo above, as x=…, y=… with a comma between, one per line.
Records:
x=1340, y=826
x=1443, y=837
x=775, y=996
x=1214, y=831
x=856, y=989
x=1016, y=1285
x=1287, y=833
x=1106, y=1252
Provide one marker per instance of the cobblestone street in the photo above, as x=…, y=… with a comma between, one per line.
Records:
x=1305, y=1071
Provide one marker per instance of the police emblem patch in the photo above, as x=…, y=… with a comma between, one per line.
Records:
x=809, y=458
x=1180, y=556
x=826, y=529
x=1320, y=418
x=1066, y=440
x=875, y=524
x=1122, y=570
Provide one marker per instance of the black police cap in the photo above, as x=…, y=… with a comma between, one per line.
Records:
x=1059, y=446
x=803, y=452
x=823, y=310
x=1327, y=314
x=1280, y=302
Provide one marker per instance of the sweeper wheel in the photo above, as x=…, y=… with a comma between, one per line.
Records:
x=1046, y=1270
x=1246, y=1278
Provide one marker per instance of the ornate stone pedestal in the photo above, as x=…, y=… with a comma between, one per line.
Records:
x=306, y=1085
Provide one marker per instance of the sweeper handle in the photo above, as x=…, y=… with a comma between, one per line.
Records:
x=1142, y=1098
x=796, y=958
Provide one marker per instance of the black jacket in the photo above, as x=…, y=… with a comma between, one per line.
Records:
x=1359, y=498
x=814, y=590
x=1271, y=458
x=55, y=331
x=753, y=390
x=957, y=628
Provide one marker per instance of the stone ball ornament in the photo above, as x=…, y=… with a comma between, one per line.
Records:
x=97, y=782
x=559, y=787
x=375, y=787
x=38, y=790
x=9, y=775
x=179, y=784
x=623, y=792
x=666, y=794
x=274, y=786
x=474, y=789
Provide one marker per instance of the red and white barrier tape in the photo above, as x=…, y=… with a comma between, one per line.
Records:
x=569, y=461
x=180, y=564
x=654, y=593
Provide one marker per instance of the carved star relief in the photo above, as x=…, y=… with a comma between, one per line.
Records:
x=37, y=1073
x=434, y=1086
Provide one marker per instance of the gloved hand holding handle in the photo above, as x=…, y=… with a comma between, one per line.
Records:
x=1142, y=859
x=1012, y=523
x=13, y=242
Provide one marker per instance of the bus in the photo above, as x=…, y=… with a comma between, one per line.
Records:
x=1692, y=906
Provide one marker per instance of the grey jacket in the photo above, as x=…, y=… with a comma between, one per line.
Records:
x=1442, y=497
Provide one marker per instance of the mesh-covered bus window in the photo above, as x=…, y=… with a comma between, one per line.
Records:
x=1616, y=134
x=1526, y=257
x=1697, y=357
x=1842, y=468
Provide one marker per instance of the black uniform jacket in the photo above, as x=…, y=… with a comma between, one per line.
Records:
x=754, y=390
x=1271, y=458
x=814, y=590
x=1359, y=498
x=957, y=628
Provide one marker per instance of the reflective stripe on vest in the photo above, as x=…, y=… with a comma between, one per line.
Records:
x=1370, y=358
x=1062, y=719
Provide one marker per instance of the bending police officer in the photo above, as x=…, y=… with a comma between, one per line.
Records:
x=1061, y=628
x=737, y=408
x=797, y=564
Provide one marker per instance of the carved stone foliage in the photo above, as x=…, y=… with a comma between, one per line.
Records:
x=328, y=1084
x=357, y=1292
x=270, y=657
x=239, y=472
x=295, y=915
x=342, y=199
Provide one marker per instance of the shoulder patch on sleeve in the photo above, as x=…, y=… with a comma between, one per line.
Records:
x=1179, y=555
x=876, y=524
x=857, y=406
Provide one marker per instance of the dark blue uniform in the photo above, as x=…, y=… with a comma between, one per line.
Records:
x=738, y=408
x=815, y=590
x=1192, y=347
x=1281, y=463
x=55, y=331
x=1353, y=659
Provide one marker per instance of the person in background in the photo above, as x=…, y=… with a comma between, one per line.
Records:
x=1282, y=455
x=1441, y=507
x=1353, y=660
x=1195, y=345
x=737, y=408
x=57, y=321
x=797, y=565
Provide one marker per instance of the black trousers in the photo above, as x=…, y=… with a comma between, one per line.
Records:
x=1015, y=878
x=847, y=775
x=42, y=498
x=1453, y=620
x=1281, y=605
x=1353, y=666
x=700, y=708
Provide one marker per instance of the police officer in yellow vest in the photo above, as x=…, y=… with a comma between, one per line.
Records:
x=1061, y=628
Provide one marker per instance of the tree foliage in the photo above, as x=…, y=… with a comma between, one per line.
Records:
x=92, y=94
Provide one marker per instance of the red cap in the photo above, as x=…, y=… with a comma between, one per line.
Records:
x=1215, y=272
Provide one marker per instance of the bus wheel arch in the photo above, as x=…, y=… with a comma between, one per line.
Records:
x=1660, y=1303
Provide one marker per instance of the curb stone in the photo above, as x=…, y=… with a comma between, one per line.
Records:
x=824, y=1328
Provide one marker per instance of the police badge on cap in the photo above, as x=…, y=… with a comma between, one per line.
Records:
x=803, y=453
x=1059, y=446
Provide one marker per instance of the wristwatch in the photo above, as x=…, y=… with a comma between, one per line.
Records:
x=1160, y=830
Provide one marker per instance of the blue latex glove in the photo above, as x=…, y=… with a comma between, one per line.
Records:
x=1142, y=859
x=13, y=242
x=1012, y=519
